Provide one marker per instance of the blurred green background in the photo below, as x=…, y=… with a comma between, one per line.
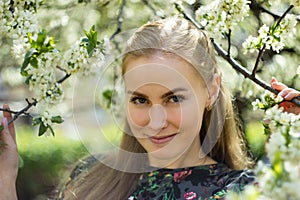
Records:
x=45, y=162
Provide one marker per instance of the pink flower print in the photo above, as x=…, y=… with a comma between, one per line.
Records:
x=190, y=195
x=178, y=176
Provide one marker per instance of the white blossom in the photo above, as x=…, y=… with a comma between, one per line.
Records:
x=221, y=15
x=77, y=60
x=272, y=38
x=276, y=142
x=43, y=81
x=46, y=118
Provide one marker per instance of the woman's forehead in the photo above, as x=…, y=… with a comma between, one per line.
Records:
x=163, y=69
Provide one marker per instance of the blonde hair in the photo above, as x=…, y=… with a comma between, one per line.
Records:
x=179, y=37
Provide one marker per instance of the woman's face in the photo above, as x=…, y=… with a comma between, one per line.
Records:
x=166, y=98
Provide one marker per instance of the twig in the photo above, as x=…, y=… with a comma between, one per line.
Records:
x=187, y=16
x=260, y=54
x=261, y=51
x=61, y=69
x=229, y=42
x=120, y=20
x=14, y=112
x=21, y=112
x=256, y=6
x=64, y=78
x=11, y=7
x=246, y=73
x=239, y=68
x=146, y=2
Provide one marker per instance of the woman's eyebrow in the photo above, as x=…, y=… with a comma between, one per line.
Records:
x=137, y=94
x=162, y=96
x=173, y=92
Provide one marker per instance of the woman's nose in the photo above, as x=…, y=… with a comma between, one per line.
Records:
x=158, y=117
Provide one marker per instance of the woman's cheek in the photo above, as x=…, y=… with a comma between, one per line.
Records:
x=174, y=116
x=138, y=117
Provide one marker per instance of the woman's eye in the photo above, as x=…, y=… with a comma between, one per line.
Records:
x=176, y=99
x=138, y=100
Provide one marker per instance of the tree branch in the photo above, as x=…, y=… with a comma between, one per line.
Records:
x=120, y=20
x=64, y=78
x=21, y=112
x=256, y=6
x=229, y=42
x=146, y=2
x=260, y=54
x=233, y=62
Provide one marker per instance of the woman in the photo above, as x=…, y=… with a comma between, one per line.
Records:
x=182, y=139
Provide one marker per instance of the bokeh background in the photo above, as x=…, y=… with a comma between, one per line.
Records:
x=45, y=162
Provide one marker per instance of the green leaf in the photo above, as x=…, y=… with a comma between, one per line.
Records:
x=37, y=121
x=26, y=61
x=52, y=131
x=42, y=35
x=107, y=94
x=267, y=130
x=90, y=49
x=29, y=37
x=84, y=41
x=87, y=34
x=57, y=119
x=28, y=79
x=33, y=61
x=91, y=41
x=1, y=128
x=42, y=129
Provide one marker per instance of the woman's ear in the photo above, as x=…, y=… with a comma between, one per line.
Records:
x=214, y=90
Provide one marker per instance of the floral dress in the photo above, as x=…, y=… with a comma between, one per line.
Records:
x=206, y=182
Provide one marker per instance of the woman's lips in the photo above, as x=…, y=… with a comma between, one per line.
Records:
x=162, y=139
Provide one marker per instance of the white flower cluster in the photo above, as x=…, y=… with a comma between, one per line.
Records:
x=43, y=79
x=6, y=17
x=219, y=16
x=281, y=178
x=283, y=149
x=16, y=22
x=266, y=101
x=77, y=59
x=273, y=38
x=46, y=118
x=285, y=138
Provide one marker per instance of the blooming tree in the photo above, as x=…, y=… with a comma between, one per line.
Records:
x=46, y=68
x=41, y=60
